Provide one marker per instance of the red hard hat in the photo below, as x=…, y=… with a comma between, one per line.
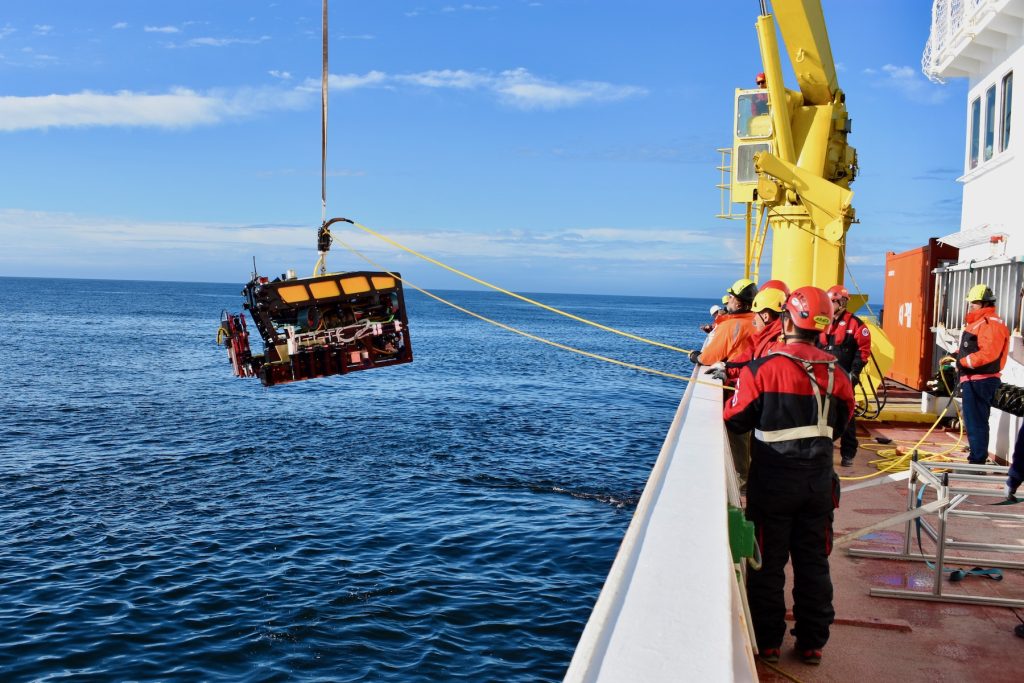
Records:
x=838, y=292
x=760, y=77
x=809, y=308
x=775, y=284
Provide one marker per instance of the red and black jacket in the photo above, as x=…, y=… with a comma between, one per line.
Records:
x=764, y=341
x=794, y=421
x=849, y=340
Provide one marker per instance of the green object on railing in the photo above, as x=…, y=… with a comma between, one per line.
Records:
x=741, y=535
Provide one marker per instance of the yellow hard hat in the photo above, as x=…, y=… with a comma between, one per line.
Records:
x=743, y=289
x=725, y=299
x=981, y=292
x=769, y=300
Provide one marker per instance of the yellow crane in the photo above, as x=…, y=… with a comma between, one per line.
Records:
x=792, y=165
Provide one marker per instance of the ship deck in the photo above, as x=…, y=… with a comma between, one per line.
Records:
x=883, y=638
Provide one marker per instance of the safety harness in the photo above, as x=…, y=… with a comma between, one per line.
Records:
x=822, y=428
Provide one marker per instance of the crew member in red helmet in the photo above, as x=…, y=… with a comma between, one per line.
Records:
x=849, y=340
x=797, y=400
x=759, y=102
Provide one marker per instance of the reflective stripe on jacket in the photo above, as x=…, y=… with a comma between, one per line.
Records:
x=795, y=402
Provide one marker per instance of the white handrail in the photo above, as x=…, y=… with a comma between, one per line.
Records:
x=671, y=607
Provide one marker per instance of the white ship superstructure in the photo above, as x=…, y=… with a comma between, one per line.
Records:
x=983, y=41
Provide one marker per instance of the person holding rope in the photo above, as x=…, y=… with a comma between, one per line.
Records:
x=984, y=345
x=731, y=338
x=797, y=400
x=767, y=322
x=849, y=340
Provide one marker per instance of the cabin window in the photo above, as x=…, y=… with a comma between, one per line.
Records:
x=753, y=115
x=975, y=131
x=990, y=121
x=1004, y=115
x=745, y=171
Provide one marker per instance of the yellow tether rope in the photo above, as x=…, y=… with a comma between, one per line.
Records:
x=890, y=459
x=564, y=347
x=528, y=300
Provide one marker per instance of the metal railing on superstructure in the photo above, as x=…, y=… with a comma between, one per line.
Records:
x=954, y=23
x=1005, y=276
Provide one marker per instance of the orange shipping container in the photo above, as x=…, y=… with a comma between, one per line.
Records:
x=908, y=303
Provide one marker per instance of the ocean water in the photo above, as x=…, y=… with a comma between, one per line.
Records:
x=448, y=520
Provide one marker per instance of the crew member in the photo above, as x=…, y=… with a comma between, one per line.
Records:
x=759, y=102
x=767, y=322
x=849, y=340
x=732, y=329
x=983, y=348
x=715, y=311
x=1015, y=474
x=798, y=401
x=732, y=338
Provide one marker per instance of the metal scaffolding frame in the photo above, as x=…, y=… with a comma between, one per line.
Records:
x=951, y=490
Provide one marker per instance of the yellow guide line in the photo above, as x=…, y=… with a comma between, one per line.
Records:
x=528, y=300
x=564, y=347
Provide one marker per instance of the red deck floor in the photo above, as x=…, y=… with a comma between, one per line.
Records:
x=888, y=639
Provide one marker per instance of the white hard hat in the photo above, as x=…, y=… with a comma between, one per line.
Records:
x=715, y=309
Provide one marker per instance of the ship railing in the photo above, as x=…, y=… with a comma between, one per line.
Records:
x=1005, y=276
x=953, y=23
x=672, y=606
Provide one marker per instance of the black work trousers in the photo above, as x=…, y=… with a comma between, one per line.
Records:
x=792, y=511
x=848, y=441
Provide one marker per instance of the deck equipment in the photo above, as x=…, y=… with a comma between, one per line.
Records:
x=326, y=324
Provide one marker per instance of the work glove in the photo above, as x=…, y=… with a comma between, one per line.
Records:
x=706, y=328
x=717, y=371
x=858, y=365
x=694, y=355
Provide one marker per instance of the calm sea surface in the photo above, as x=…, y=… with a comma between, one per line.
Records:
x=448, y=520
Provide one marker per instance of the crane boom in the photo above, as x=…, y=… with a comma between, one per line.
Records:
x=802, y=23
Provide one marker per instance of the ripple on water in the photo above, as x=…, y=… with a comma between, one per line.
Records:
x=449, y=520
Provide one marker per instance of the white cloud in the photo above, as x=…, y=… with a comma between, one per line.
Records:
x=6, y=31
x=908, y=83
x=179, y=108
x=120, y=25
x=362, y=36
x=223, y=42
x=467, y=7
x=349, y=81
x=514, y=87
x=283, y=75
x=31, y=233
x=522, y=89
x=42, y=29
x=445, y=78
x=184, y=108
x=161, y=29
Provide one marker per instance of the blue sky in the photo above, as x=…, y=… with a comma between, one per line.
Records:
x=544, y=145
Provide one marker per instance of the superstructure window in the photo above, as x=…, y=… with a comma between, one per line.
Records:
x=990, y=121
x=1004, y=115
x=975, y=131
